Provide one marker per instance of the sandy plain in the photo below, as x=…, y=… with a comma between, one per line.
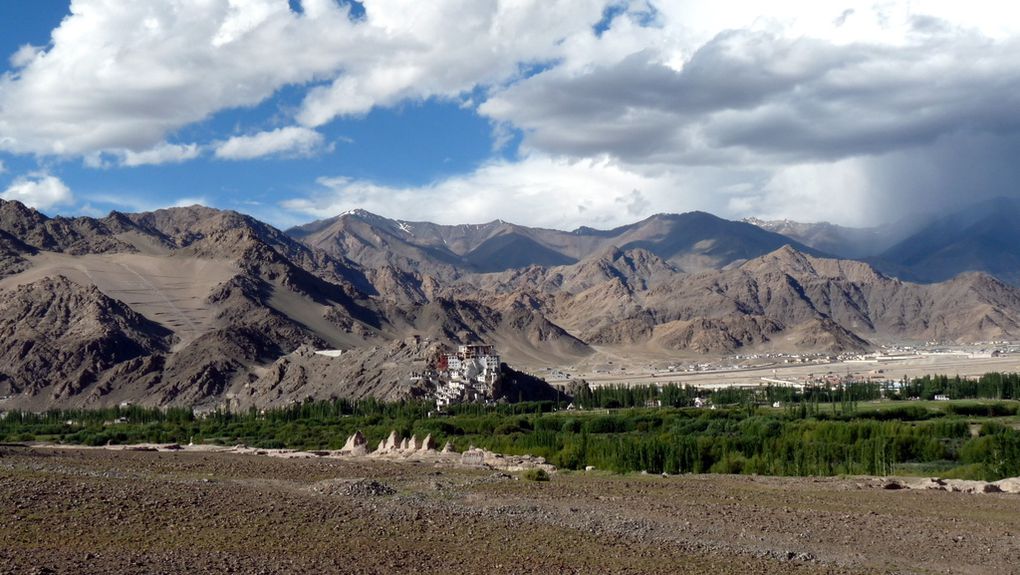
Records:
x=637, y=373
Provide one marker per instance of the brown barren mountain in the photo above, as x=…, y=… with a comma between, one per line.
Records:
x=785, y=300
x=200, y=306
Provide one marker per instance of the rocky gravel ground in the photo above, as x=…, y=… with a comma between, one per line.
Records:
x=99, y=511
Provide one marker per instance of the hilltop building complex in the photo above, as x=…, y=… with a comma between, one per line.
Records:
x=470, y=374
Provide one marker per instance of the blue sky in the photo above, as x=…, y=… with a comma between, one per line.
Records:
x=411, y=143
x=552, y=113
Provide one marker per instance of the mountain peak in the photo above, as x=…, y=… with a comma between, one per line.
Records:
x=362, y=214
x=611, y=253
x=786, y=258
x=791, y=261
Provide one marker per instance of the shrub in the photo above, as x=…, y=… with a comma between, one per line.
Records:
x=970, y=471
x=572, y=426
x=536, y=475
x=982, y=410
x=507, y=429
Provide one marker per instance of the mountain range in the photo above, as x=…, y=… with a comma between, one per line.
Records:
x=981, y=237
x=200, y=306
x=693, y=242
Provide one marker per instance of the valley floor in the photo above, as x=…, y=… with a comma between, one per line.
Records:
x=723, y=374
x=101, y=511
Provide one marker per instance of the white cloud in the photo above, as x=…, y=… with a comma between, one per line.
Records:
x=24, y=55
x=292, y=140
x=185, y=202
x=538, y=190
x=98, y=202
x=443, y=48
x=825, y=191
x=41, y=191
x=162, y=154
x=125, y=76
x=122, y=76
x=560, y=193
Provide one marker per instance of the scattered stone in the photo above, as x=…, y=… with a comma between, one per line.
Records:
x=967, y=486
x=932, y=483
x=1008, y=485
x=364, y=521
x=369, y=488
x=353, y=487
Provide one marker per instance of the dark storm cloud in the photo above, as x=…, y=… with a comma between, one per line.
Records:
x=958, y=170
x=775, y=99
x=641, y=110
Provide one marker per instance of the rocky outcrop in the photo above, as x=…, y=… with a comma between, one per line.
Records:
x=475, y=457
x=60, y=337
x=359, y=372
x=1008, y=485
x=74, y=236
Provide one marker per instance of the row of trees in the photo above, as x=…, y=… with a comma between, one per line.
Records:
x=988, y=386
x=671, y=440
x=676, y=395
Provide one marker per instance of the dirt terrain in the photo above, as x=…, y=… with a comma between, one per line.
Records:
x=100, y=511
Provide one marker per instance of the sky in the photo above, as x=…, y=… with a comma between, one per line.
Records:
x=541, y=112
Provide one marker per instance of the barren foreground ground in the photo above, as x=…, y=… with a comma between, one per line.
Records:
x=98, y=511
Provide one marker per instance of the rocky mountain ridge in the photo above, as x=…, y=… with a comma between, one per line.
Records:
x=694, y=241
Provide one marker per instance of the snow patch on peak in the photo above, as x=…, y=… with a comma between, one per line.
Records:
x=363, y=214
